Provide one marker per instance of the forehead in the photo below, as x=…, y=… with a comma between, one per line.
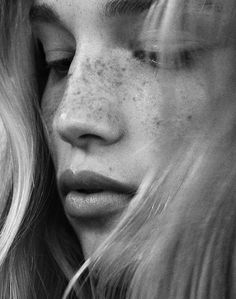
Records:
x=71, y=9
x=81, y=16
x=73, y=5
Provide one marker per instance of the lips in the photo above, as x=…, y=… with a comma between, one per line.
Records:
x=88, y=193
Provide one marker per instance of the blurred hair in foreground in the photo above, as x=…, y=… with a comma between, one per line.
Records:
x=177, y=238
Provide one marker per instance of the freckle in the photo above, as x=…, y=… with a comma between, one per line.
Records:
x=118, y=84
x=110, y=169
x=158, y=123
x=85, y=80
x=109, y=116
x=189, y=117
x=103, y=64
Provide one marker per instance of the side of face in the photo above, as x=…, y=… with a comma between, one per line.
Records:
x=107, y=106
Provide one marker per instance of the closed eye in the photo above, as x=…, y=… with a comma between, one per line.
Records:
x=185, y=58
x=60, y=67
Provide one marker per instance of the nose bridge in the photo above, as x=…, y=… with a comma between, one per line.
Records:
x=98, y=65
x=89, y=109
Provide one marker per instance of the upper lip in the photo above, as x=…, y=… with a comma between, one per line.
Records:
x=91, y=182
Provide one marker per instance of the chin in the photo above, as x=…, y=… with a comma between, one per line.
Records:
x=93, y=231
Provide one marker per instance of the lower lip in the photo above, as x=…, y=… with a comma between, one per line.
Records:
x=95, y=204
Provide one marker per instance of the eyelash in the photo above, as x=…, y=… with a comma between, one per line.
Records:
x=60, y=67
x=181, y=59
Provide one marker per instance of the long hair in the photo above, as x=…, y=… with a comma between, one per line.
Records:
x=177, y=238
x=24, y=186
x=30, y=213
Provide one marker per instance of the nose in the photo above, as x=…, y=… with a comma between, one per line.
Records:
x=89, y=114
x=81, y=131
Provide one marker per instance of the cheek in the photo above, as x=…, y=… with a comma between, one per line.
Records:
x=173, y=106
x=192, y=98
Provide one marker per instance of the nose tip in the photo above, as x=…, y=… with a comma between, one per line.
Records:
x=81, y=132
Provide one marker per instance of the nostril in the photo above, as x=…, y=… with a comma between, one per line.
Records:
x=85, y=139
x=76, y=137
x=90, y=136
x=81, y=134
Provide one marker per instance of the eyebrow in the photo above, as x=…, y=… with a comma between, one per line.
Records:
x=126, y=7
x=45, y=13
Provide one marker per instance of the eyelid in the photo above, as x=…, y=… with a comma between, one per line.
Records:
x=174, y=46
x=58, y=54
x=151, y=41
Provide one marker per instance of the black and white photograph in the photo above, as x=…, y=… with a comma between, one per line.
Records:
x=118, y=149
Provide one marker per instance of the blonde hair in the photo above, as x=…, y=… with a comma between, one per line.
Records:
x=22, y=190
x=177, y=237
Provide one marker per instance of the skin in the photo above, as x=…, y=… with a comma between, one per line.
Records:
x=115, y=114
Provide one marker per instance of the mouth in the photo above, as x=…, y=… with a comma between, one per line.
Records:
x=89, y=194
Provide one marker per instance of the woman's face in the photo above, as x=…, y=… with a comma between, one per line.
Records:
x=111, y=113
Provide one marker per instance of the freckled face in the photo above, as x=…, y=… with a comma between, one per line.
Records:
x=106, y=108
